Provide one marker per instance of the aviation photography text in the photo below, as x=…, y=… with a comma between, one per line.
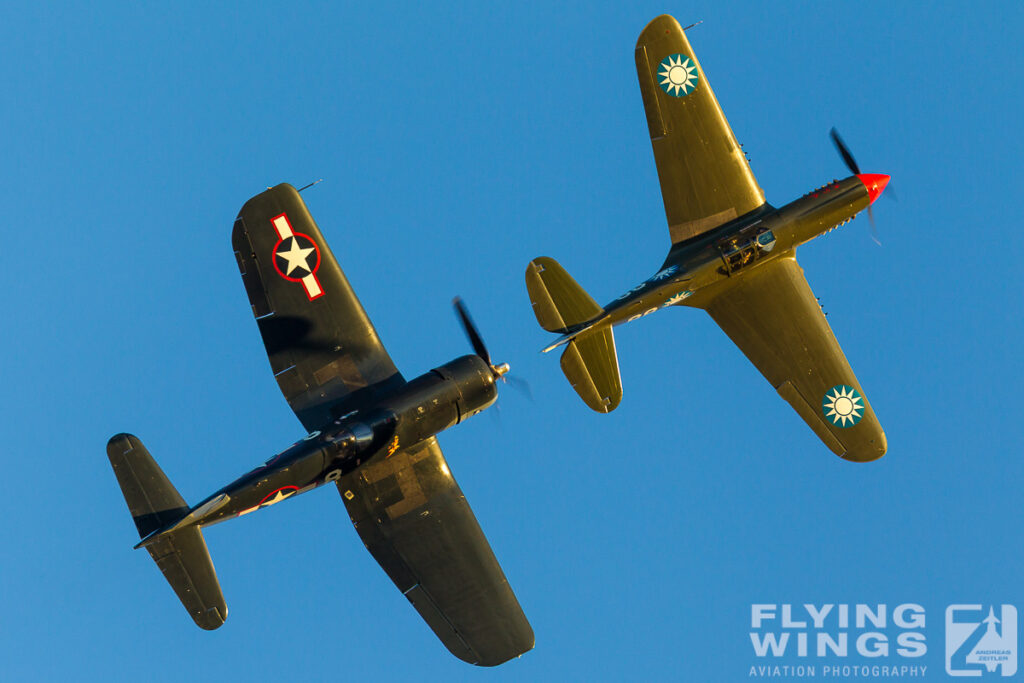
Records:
x=838, y=641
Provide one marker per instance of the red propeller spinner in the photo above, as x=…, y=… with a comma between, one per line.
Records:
x=875, y=183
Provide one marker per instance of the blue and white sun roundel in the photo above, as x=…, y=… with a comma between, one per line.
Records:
x=843, y=406
x=677, y=75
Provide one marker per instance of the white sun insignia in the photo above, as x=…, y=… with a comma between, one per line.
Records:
x=843, y=405
x=677, y=75
x=676, y=298
x=663, y=274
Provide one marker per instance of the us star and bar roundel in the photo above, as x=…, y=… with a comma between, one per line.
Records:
x=293, y=253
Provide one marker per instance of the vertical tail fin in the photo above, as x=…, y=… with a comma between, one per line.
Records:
x=589, y=361
x=182, y=556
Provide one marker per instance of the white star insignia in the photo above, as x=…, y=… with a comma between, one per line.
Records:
x=278, y=497
x=297, y=257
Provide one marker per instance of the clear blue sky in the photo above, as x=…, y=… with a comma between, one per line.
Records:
x=456, y=142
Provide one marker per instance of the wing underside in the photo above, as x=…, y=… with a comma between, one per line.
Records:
x=323, y=349
x=415, y=521
x=705, y=178
x=771, y=314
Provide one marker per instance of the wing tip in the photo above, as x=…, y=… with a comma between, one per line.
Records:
x=665, y=22
x=287, y=188
x=212, y=618
x=116, y=443
x=868, y=451
x=524, y=642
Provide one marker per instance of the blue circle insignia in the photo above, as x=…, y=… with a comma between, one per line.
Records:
x=677, y=75
x=843, y=406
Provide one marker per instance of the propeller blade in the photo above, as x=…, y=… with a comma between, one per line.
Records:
x=521, y=385
x=844, y=151
x=851, y=163
x=474, y=335
x=874, y=228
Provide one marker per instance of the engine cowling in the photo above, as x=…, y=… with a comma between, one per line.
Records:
x=443, y=397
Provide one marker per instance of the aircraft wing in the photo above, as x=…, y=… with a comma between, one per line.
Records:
x=705, y=177
x=773, y=317
x=416, y=523
x=322, y=347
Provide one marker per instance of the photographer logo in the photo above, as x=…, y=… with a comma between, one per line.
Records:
x=981, y=640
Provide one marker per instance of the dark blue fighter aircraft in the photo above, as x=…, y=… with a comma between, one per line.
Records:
x=370, y=432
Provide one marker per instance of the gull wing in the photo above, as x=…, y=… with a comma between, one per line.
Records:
x=322, y=347
x=705, y=178
x=771, y=314
x=414, y=520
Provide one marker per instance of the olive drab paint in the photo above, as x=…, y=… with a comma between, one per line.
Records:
x=732, y=254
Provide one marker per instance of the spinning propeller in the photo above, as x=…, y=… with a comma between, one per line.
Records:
x=480, y=349
x=874, y=182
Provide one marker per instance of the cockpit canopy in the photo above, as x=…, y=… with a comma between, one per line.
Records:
x=363, y=438
x=745, y=248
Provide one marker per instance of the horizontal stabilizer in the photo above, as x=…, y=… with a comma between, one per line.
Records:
x=592, y=367
x=558, y=301
x=185, y=562
x=152, y=499
x=181, y=554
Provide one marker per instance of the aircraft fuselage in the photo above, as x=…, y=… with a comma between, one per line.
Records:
x=413, y=412
x=693, y=268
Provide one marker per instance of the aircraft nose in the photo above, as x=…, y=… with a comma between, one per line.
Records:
x=875, y=183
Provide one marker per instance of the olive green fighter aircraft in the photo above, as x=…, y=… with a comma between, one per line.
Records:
x=370, y=432
x=732, y=254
